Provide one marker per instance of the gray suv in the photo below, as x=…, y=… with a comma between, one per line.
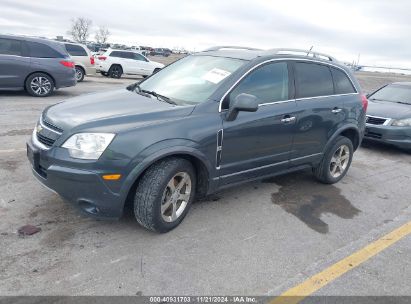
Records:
x=208, y=121
x=34, y=64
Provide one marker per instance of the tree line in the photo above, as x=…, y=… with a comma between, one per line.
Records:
x=81, y=29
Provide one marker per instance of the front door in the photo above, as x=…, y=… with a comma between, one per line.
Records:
x=259, y=143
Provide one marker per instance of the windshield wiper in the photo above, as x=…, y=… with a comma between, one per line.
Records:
x=403, y=102
x=155, y=94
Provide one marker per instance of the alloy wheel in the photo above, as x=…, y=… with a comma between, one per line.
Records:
x=79, y=74
x=176, y=197
x=339, y=161
x=40, y=85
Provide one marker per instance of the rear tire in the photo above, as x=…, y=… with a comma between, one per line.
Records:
x=115, y=71
x=79, y=74
x=39, y=85
x=336, y=161
x=164, y=194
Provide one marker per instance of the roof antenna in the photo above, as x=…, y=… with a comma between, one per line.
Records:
x=309, y=51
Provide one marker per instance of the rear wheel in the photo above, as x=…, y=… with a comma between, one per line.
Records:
x=115, y=71
x=336, y=161
x=39, y=85
x=164, y=194
x=79, y=74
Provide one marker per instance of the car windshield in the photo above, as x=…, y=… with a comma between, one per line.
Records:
x=192, y=79
x=393, y=93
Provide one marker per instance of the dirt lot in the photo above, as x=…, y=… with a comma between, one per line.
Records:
x=257, y=239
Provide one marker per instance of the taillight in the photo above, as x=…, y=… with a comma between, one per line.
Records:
x=91, y=60
x=67, y=64
x=364, y=102
x=102, y=58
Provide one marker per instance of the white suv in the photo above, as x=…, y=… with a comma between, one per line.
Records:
x=114, y=63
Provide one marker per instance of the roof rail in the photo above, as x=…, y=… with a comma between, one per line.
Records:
x=217, y=48
x=299, y=52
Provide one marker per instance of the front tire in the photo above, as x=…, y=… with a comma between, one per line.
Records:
x=336, y=161
x=156, y=70
x=164, y=194
x=79, y=74
x=39, y=85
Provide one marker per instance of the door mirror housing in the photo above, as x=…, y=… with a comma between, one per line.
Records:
x=242, y=102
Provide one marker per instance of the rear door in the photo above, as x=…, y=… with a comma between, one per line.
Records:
x=321, y=110
x=259, y=143
x=14, y=63
x=79, y=54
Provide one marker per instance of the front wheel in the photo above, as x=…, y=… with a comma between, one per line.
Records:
x=336, y=161
x=156, y=70
x=164, y=194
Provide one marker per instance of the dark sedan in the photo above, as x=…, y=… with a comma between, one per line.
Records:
x=389, y=115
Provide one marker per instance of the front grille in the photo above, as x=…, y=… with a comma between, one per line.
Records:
x=45, y=140
x=51, y=126
x=372, y=120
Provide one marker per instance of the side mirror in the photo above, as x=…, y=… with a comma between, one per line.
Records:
x=242, y=102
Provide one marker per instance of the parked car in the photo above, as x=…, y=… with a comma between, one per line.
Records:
x=206, y=122
x=33, y=64
x=83, y=60
x=115, y=63
x=161, y=52
x=389, y=115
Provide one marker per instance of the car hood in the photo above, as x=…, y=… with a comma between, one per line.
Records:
x=388, y=109
x=110, y=108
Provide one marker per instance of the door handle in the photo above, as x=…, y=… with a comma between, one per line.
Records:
x=336, y=110
x=288, y=119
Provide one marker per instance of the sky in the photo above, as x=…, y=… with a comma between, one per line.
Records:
x=378, y=32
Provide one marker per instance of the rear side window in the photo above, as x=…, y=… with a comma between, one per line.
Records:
x=313, y=80
x=10, y=47
x=269, y=83
x=40, y=50
x=116, y=54
x=75, y=50
x=342, y=83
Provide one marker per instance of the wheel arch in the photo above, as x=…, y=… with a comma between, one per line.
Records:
x=199, y=161
x=48, y=74
x=350, y=131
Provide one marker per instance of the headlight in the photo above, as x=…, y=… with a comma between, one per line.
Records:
x=88, y=145
x=402, y=122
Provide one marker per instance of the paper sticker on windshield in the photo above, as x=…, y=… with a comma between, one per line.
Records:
x=216, y=75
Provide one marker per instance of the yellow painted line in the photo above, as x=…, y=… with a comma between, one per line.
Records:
x=296, y=294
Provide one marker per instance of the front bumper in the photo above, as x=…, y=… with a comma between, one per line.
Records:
x=396, y=136
x=83, y=188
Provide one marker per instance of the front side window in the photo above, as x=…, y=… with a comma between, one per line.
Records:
x=313, y=80
x=139, y=57
x=192, y=79
x=10, y=47
x=268, y=83
x=342, y=84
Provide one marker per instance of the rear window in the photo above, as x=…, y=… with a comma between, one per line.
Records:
x=313, y=80
x=40, y=50
x=75, y=50
x=342, y=83
x=10, y=47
